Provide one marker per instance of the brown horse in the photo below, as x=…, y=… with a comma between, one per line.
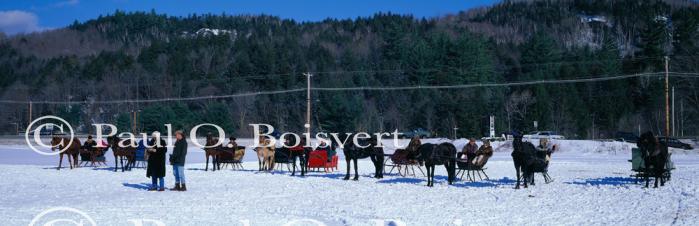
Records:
x=265, y=154
x=127, y=152
x=71, y=149
x=213, y=152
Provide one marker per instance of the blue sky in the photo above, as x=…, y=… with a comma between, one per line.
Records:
x=23, y=16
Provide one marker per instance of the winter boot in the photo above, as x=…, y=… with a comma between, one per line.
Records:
x=176, y=188
x=183, y=188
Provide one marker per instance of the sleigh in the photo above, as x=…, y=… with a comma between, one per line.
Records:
x=638, y=166
x=141, y=157
x=400, y=161
x=228, y=156
x=94, y=157
x=471, y=170
x=282, y=157
x=318, y=160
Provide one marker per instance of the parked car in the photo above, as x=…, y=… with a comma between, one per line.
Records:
x=491, y=139
x=675, y=143
x=419, y=132
x=626, y=137
x=544, y=134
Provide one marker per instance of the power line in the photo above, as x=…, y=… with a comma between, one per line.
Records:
x=366, y=88
x=489, y=84
x=470, y=71
x=159, y=99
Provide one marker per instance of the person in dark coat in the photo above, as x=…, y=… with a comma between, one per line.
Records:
x=156, y=162
x=470, y=150
x=89, y=147
x=177, y=159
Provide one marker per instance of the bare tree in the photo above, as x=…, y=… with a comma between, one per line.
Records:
x=517, y=105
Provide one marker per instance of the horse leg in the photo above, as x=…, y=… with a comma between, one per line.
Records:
x=303, y=161
x=74, y=164
x=658, y=175
x=293, y=163
x=132, y=162
x=356, y=169
x=379, y=165
x=434, y=168
x=429, y=175
x=517, y=170
x=70, y=162
x=60, y=161
x=377, y=174
x=646, y=176
x=213, y=162
x=662, y=178
x=348, y=160
x=450, y=173
x=656, y=181
x=116, y=163
x=206, y=166
x=526, y=173
x=123, y=167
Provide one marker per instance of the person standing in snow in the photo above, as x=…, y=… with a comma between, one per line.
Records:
x=470, y=149
x=156, y=162
x=177, y=159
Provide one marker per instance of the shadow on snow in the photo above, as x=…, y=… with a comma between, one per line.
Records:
x=141, y=186
x=608, y=181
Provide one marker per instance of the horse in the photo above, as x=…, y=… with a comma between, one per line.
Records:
x=525, y=160
x=655, y=155
x=438, y=154
x=365, y=149
x=297, y=152
x=213, y=152
x=127, y=153
x=265, y=154
x=71, y=151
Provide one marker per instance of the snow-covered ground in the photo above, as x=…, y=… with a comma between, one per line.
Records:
x=592, y=186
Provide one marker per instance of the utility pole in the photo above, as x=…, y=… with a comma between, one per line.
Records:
x=674, y=131
x=681, y=120
x=30, y=113
x=308, y=103
x=667, y=98
x=133, y=121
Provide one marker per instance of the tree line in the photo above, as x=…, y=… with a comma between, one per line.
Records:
x=145, y=55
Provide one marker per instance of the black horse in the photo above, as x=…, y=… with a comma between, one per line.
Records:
x=441, y=154
x=655, y=155
x=285, y=155
x=525, y=160
x=366, y=148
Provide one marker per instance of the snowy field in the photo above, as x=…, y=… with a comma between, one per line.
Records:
x=592, y=186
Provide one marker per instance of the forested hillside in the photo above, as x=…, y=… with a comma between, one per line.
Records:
x=146, y=55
